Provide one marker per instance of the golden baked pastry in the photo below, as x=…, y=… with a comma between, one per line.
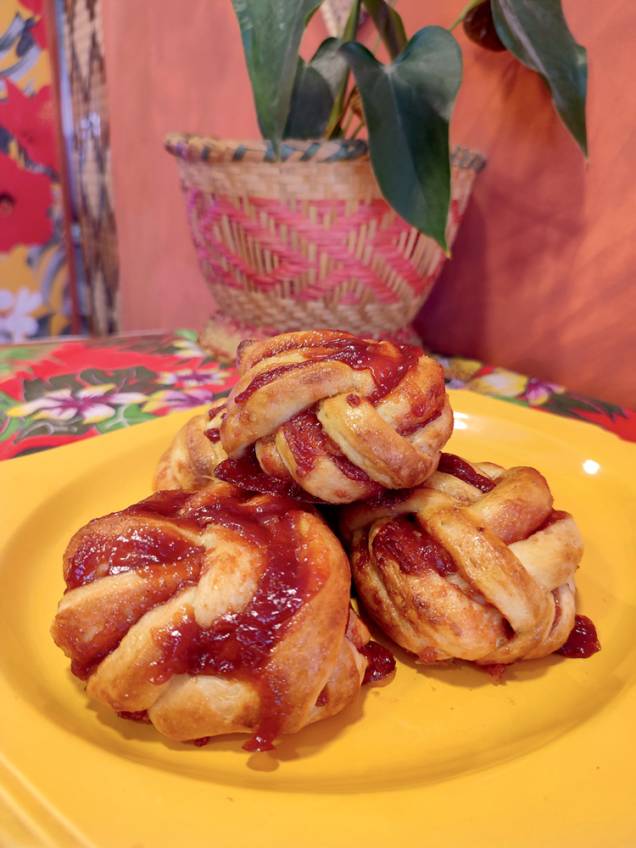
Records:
x=475, y=564
x=195, y=452
x=214, y=612
x=340, y=416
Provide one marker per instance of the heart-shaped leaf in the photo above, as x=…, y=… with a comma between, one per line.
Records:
x=316, y=87
x=388, y=24
x=407, y=107
x=538, y=35
x=271, y=31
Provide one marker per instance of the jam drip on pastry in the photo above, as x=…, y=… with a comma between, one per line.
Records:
x=458, y=467
x=307, y=441
x=360, y=354
x=476, y=564
x=340, y=416
x=412, y=548
x=247, y=474
x=583, y=640
x=381, y=662
x=240, y=644
x=251, y=592
x=337, y=416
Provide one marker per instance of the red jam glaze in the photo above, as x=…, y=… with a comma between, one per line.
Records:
x=197, y=511
x=165, y=503
x=323, y=698
x=414, y=550
x=553, y=517
x=381, y=662
x=277, y=345
x=307, y=441
x=458, y=467
x=266, y=377
x=139, y=715
x=163, y=578
x=354, y=400
x=496, y=671
x=417, y=413
x=389, y=498
x=139, y=548
x=240, y=644
x=214, y=410
x=214, y=435
x=159, y=586
x=583, y=640
x=362, y=558
x=247, y=474
x=387, y=370
x=201, y=741
x=247, y=516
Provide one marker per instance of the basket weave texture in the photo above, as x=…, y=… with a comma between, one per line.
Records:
x=308, y=240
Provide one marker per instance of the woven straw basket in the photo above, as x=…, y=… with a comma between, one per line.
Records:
x=308, y=241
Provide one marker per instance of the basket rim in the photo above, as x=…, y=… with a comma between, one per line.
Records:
x=190, y=147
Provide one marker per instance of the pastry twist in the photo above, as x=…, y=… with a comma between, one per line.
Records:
x=214, y=612
x=195, y=452
x=340, y=416
x=475, y=564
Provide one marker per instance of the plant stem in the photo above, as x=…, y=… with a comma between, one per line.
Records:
x=354, y=134
x=349, y=34
x=349, y=119
x=347, y=123
x=470, y=5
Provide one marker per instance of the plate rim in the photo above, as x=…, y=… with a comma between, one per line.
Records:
x=51, y=825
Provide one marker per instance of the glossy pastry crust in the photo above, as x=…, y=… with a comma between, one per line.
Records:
x=476, y=564
x=214, y=612
x=195, y=452
x=340, y=416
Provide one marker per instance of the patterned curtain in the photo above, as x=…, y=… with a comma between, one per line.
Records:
x=36, y=295
x=87, y=131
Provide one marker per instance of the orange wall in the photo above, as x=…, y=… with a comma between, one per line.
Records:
x=541, y=279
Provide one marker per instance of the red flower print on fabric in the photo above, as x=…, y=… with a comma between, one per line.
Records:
x=29, y=119
x=25, y=200
x=34, y=6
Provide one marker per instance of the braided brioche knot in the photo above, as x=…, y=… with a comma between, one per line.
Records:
x=474, y=565
x=195, y=452
x=341, y=416
x=214, y=612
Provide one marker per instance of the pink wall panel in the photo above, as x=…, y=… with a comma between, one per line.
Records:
x=541, y=276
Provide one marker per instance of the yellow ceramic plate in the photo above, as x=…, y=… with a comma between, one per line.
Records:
x=436, y=758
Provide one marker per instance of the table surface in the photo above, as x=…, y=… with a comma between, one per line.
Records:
x=61, y=391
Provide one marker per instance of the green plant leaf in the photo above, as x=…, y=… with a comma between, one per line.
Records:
x=538, y=35
x=34, y=389
x=316, y=87
x=271, y=31
x=467, y=8
x=407, y=107
x=388, y=24
x=350, y=32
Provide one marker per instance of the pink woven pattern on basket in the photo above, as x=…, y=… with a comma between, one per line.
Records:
x=308, y=241
x=326, y=237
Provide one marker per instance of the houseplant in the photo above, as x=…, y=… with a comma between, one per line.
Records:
x=315, y=225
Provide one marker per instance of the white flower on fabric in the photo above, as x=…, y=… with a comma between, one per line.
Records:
x=92, y=404
x=16, y=320
x=190, y=378
x=188, y=349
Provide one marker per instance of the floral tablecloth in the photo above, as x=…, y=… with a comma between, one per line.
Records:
x=63, y=391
